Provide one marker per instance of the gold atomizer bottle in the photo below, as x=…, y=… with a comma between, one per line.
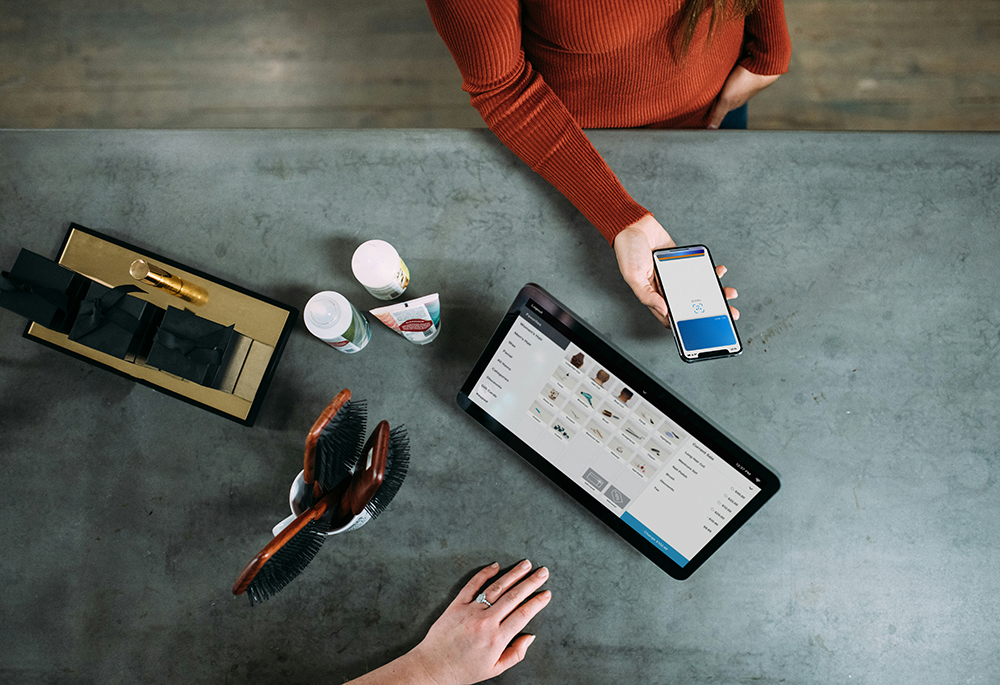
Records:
x=142, y=270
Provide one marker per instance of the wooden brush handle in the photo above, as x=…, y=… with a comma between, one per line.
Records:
x=311, y=514
x=368, y=475
x=309, y=463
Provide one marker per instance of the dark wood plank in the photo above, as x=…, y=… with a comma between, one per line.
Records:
x=895, y=64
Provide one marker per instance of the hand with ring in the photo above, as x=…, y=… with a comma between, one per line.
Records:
x=478, y=636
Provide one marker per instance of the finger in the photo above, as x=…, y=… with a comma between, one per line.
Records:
x=471, y=589
x=731, y=294
x=664, y=320
x=720, y=271
x=518, y=619
x=520, y=592
x=656, y=304
x=496, y=590
x=718, y=113
x=514, y=653
x=648, y=295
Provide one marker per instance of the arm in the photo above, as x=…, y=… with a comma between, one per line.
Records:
x=767, y=50
x=767, y=47
x=484, y=37
x=471, y=641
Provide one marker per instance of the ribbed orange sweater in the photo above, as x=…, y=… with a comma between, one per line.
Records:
x=539, y=71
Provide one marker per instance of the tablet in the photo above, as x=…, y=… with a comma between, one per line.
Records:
x=624, y=445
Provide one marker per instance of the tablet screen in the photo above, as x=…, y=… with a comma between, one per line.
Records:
x=625, y=442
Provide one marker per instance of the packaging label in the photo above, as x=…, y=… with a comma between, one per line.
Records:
x=416, y=320
x=395, y=287
x=355, y=337
x=415, y=325
x=343, y=345
x=404, y=275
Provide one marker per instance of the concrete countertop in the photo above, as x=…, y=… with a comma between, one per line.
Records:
x=866, y=265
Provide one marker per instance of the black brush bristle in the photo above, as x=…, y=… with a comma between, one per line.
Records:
x=287, y=563
x=340, y=443
x=396, y=465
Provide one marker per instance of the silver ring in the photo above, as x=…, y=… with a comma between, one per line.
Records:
x=481, y=599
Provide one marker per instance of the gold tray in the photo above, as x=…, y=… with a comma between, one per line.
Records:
x=263, y=325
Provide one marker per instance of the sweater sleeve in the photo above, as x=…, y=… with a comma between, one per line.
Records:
x=767, y=47
x=484, y=37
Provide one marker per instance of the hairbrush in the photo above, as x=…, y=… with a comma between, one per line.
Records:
x=333, y=444
x=375, y=472
x=287, y=555
x=377, y=477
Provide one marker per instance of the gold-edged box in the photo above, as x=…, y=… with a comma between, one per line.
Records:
x=263, y=325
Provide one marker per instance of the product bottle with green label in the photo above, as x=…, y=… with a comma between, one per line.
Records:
x=332, y=319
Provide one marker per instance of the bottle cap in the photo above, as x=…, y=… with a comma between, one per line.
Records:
x=323, y=311
x=375, y=263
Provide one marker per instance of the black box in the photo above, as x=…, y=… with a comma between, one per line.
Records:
x=42, y=291
x=122, y=327
x=191, y=347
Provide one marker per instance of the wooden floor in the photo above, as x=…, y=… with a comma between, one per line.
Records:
x=892, y=64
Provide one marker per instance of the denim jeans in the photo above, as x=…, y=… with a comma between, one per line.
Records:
x=737, y=118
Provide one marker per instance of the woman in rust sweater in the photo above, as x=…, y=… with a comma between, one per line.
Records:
x=540, y=71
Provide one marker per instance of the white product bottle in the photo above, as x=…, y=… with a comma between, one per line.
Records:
x=332, y=319
x=378, y=267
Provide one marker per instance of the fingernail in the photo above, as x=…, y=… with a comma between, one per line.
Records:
x=494, y=565
x=543, y=572
x=531, y=638
x=525, y=564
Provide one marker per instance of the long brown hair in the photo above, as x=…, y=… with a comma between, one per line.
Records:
x=692, y=13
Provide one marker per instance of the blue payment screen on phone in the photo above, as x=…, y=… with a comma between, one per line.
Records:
x=695, y=300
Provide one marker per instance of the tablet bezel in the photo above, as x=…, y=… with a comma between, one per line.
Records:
x=652, y=390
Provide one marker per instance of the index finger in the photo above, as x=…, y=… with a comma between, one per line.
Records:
x=648, y=295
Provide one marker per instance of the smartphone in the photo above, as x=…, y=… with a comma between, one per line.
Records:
x=699, y=315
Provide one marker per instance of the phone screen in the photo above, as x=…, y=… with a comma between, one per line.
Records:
x=698, y=310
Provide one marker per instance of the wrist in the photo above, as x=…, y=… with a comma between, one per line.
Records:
x=421, y=669
x=408, y=669
x=650, y=229
x=634, y=227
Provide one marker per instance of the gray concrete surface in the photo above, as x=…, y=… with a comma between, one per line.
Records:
x=866, y=265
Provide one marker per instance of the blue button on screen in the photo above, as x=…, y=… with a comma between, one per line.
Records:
x=676, y=556
x=701, y=334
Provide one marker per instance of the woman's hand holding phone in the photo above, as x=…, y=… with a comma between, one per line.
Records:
x=634, y=249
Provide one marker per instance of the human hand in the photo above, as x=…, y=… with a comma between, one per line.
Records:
x=472, y=642
x=634, y=249
x=740, y=86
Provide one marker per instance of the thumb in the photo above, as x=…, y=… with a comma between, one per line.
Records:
x=717, y=114
x=514, y=653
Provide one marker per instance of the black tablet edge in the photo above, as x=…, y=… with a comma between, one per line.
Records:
x=770, y=485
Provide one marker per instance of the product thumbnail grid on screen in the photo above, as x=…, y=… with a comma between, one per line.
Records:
x=594, y=426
